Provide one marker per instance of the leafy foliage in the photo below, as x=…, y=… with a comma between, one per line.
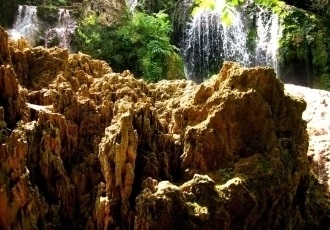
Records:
x=141, y=44
x=305, y=40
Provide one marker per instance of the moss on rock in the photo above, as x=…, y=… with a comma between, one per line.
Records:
x=304, y=47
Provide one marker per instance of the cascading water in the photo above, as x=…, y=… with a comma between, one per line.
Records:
x=250, y=39
x=26, y=24
x=62, y=34
x=268, y=35
x=132, y=4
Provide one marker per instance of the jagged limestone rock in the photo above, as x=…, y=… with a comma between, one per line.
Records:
x=84, y=147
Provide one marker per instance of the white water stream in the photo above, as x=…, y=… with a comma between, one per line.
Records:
x=268, y=35
x=64, y=30
x=251, y=39
x=28, y=25
x=131, y=4
x=206, y=43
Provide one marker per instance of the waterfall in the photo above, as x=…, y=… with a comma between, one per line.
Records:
x=26, y=24
x=131, y=4
x=62, y=34
x=268, y=35
x=250, y=39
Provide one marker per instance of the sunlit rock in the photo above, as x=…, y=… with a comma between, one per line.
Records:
x=86, y=148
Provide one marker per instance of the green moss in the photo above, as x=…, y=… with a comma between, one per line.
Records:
x=304, y=44
x=323, y=82
x=174, y=67
x=320, y=50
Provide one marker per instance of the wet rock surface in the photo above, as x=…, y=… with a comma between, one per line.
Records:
x=86, y=148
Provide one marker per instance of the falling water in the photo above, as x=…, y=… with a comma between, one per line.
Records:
x=132, y=4
x=268, y=35
x=208, y=41
x=62, y=34
x=26, y=24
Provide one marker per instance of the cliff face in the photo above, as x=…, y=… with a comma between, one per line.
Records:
x=86, y=148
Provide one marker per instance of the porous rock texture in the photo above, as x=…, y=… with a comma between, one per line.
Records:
x=109, y=12
x=86, y=148
x=317, y=115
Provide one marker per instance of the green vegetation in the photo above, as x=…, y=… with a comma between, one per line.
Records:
x=47, y=10
x=44, y=2
x=152, y=6
x=305, y=40
x=48, y=13
x=8, y=9
x=304, y=48
x=141, y=44
x=226, y=6
x=212, y=3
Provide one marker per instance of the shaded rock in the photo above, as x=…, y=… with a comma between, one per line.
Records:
x=4, y=49
x=45, y=65
x=11, y=95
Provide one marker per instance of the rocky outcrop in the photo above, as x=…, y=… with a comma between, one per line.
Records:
x=109, y=12
x=317, y=115
x=248, y=136
x=86, y=148
x=11, y=96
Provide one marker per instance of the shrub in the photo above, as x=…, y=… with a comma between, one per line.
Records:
x=141, y=44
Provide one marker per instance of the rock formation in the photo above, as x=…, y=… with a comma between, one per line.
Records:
x=86, y=148
x=317, y=115
x=110, y=12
